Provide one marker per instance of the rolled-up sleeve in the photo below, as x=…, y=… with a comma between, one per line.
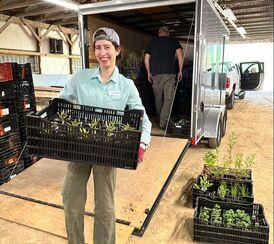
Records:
x=69, y=92
x=134, y=102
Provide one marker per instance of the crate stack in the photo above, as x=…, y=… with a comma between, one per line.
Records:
x=10, y=142
x=25, y=101
x=20, y=76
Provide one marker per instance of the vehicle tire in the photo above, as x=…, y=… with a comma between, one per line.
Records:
x=215, y=142
x=242, y=95
x=231, y=100
x=224, y=123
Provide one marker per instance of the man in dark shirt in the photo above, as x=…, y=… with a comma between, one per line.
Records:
x=161, y=70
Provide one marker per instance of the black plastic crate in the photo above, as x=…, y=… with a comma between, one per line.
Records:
x=10, y=146
x=212, y=192
x=229, y=174
x=26, y=104
x=7, y=91
x=180, y=128
x=257, y=233
x=7, y=108
x=68, y=143
x=8, y=125
x=7, y=172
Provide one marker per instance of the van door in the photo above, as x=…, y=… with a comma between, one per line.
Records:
x=252, y=75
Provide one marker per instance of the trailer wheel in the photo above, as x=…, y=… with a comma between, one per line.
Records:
x=215, y=142
x=231, y=100
x=224, y=124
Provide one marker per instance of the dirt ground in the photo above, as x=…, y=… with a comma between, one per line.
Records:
x=252, y=121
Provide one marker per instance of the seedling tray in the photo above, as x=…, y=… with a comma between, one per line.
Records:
x=257, y=233
x=212, y=192
x=67, y=143
x=230, y=174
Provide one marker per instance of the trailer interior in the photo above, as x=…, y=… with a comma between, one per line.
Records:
x=136, y=27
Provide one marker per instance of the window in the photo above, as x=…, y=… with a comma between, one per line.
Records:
x=55, y=45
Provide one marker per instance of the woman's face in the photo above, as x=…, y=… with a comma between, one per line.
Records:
x=106, y=53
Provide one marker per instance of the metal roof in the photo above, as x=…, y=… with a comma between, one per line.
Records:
x=256, y=16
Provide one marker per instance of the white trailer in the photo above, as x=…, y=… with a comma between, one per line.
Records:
x=208, y=112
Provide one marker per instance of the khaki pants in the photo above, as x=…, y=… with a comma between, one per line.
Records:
x=74, y=200
x=164, y=89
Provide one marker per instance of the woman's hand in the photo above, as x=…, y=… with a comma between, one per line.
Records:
x=141, y=152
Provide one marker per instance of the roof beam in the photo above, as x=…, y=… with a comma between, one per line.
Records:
x=68, y=22
x=20, y=4
x=43, y=11
x=35, y=24
x=261, y=24
x=56, y=17
x=224, y=2
x=255, y=20
x=240, y=12
x=255, y=6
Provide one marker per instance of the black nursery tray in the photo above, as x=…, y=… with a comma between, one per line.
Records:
x=257, y=233
x=67, y=143
x=212, y=192
x=230, y=174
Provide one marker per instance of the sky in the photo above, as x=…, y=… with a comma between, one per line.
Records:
x=262, y=52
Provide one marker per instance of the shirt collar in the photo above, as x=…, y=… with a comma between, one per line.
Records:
x=114, y=77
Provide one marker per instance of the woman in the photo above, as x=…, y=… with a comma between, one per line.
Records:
x=104, y=87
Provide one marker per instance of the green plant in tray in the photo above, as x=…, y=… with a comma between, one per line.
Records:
x=242, y=219
x=216, y=217
x=232, y=139
x=110, y=128
x=229, y=218
x=127, y=127
x=94, y=124
x=223, y=190
x=205, y=214
x=234, y=190
x=243, y=190
x=62, y=116
x=211, y=158
x=203, y=183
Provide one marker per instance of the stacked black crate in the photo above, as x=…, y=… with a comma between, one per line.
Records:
x=25, y=101
x=10, y=143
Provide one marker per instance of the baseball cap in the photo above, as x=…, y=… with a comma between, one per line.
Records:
x=106, y=33
x=163, y=29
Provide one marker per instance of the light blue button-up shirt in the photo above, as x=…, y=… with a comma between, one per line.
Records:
x=86, y=88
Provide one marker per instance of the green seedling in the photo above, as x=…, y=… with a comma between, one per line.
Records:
x=127, y=127
x=243, y=190
x=249, y=161
x=110, y=128
x=62, y=116
x=234, y=190
x=238, y=165
x=76, y=122
x=54, y=125
x=223, y=190
x=94, y=124
x=203, y=184
x=229, y=218
x=211, y=158
x=242, y=219
x=84, y=132
x=216, y=217
x=205, y=214
x=232, y=139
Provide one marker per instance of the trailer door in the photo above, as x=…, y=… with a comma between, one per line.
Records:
x=252, y=75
